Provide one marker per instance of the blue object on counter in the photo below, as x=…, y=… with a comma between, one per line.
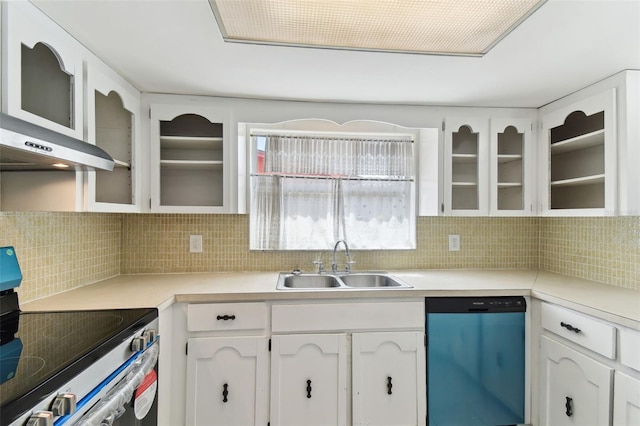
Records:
x=10, y=275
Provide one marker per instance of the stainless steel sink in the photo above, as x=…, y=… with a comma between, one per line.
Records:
x=370, y=280
x=307, y=281
x=378, y=280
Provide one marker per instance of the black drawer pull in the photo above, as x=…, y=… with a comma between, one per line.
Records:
x=389, y=385
x=225, y=392
x=308, y=388
x=569, y=407
x=570, y=327
x=225, y=317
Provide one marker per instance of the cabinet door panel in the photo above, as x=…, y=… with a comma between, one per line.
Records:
x=388, y=378
x=226, y=381
x=575, y=389
x=308, y=379
x=626, y=401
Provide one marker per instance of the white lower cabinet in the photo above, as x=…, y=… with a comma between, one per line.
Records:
x=575, y=389
x=626, y=400
x=589, y=370
x=348, y=363
x=387, y=373
x=309, y=379
x=227, y=381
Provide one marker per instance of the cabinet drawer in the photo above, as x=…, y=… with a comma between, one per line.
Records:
x=226, y=316
x=581, y=329
x=348, y=316
x=630, y=348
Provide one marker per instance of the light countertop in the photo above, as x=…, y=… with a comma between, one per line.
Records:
x=608, y=302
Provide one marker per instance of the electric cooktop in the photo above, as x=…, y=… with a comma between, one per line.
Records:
x=41, y=351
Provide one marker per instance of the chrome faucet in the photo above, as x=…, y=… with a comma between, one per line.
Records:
x=334, y=265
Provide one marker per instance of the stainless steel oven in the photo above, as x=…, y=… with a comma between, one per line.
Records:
x=79, y=368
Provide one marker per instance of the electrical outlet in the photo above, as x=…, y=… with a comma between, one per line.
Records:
x=195, y=243
x=454, y=242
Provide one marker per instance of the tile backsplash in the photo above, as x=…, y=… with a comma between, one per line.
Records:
x=61, y=251
x=160, y=243
x=605, y=249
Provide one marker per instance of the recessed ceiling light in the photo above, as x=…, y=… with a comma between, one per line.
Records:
x=445, y=27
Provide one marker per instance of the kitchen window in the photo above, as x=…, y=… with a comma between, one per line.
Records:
x=310, y=189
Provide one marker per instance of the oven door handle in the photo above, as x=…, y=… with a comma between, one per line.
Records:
x=113, y=404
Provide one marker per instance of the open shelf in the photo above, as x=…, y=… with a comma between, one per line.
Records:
x=584, y=180
x=577, y=162
x=123, y=164
x=191, y=162
x=464, y=158
x=579, y=142
x=507, y=158
x=509, y=184
x=191, y=142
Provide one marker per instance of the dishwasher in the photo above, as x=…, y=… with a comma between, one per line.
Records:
x=475, y=361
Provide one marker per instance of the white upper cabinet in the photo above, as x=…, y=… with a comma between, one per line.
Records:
x=113, y=124
x=488, y=167
x=512, y=167
x=578, y=160
x=466, y=167
x=589, y=145
x=42, y=70
x=190, y=159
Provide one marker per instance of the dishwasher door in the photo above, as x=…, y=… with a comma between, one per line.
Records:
x=475, y=361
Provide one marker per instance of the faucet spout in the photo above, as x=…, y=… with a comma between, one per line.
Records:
x=334, y=265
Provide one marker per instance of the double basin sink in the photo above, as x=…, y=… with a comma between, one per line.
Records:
x=334, y=281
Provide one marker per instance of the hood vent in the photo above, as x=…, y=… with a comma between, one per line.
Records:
x=27, y=147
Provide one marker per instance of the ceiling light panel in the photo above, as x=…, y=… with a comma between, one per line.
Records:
x=458, y=27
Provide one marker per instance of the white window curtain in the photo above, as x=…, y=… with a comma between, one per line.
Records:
x=315, y=190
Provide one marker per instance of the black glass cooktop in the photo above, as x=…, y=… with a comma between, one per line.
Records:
x=40, y=351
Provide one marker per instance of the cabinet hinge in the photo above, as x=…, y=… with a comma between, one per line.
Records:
x=149, y=203
x=442, y=208
x=443, y=126
x=425, y=340
x=186, y=348
x=269, y=345
x=149, y=112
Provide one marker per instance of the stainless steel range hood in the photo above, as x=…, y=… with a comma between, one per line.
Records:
x=25, y=146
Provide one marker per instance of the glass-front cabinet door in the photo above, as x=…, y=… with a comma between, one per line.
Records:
x=466, y=171
x=113, y=124
x=43, y=71
x=511, y=174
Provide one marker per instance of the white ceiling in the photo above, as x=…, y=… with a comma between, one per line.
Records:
x=175, y=46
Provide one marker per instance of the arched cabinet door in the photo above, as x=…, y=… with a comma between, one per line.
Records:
x=574, y=389
x=226, y=381
x=388, y=378
x=309, y=379
x=43, y=71
x=190, y=159
x=465, y=167
x=512, y=167
x=113, y=124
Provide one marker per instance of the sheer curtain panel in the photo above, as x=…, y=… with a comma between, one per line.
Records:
x=308, y=191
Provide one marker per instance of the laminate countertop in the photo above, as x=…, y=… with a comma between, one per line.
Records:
x=604, y=301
